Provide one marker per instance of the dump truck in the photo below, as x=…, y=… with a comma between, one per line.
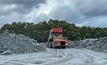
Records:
x=56, y=39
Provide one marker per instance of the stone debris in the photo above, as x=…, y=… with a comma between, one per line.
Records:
x=99, y=44
x=18, y=43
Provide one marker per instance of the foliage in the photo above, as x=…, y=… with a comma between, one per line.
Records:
x=41, y=30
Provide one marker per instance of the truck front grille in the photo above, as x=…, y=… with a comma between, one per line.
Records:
x=62, y=42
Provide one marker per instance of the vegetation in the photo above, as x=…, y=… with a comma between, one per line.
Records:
x=41, y=30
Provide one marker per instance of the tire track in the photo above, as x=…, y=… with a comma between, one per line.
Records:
x=89, y=58
x=65, y=57
x=70, y=54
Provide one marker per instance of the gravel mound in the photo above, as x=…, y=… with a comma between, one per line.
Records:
x=99, y=44
x=14, y=43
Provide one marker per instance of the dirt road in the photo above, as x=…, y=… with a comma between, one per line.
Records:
x=66, y=57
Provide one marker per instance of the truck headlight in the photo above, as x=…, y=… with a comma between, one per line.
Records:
x=66, y=44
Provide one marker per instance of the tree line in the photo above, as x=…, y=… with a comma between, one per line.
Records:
x=40, y=31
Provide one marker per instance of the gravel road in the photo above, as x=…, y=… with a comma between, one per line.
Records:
x=67, y=56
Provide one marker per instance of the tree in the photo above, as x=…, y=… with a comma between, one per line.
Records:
x=40, y=31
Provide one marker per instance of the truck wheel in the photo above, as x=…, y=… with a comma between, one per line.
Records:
x=63, y=47
x=50, y=45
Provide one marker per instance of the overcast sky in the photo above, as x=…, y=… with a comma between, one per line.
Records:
x=81, y=12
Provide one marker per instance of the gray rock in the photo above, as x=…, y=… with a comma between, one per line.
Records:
x=99, y=44
x=18, y=43
x=6, y=53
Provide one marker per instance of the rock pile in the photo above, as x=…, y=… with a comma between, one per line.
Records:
x=14, y=43
x=99, y=44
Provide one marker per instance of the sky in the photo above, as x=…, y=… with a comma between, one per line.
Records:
x=81, y=12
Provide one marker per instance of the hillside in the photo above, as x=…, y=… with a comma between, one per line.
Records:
x=40, y=31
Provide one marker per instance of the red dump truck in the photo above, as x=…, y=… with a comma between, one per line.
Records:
x=56, y=39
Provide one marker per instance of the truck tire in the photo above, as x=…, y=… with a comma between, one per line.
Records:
x=50, y=45
x=63, y=47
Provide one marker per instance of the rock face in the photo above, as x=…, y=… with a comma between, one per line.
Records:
x=99, y=44
x=14, y=43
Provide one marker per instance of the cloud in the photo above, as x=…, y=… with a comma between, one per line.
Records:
x=95, y=22
x=19, y=6
x=16, y=10
x=65, y=12
x=22, y=2
x=81, y=12
x=91, y=7
x=84, y=12
x=15, y=17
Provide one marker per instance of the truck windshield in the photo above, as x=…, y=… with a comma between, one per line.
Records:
x=56, y=33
